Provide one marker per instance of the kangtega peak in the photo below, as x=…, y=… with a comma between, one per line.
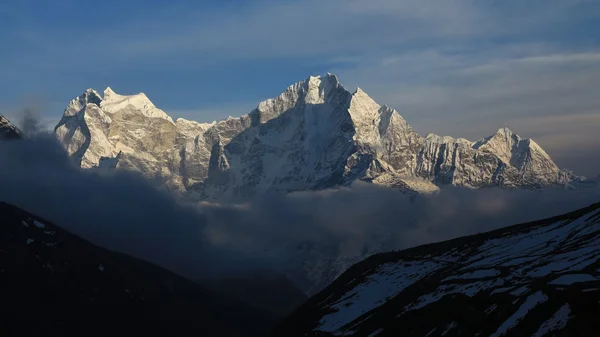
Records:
x=314, y=135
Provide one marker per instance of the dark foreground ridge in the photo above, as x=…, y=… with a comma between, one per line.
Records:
x=535, y=279
x=262, y=289
x=53, y=283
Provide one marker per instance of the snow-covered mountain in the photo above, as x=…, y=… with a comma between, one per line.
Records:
x=54, y=283
x=314, y=135
x=534, y=279
x=9, y=130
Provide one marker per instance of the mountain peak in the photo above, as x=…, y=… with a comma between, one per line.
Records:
x=108, y=92
x=505, y=131
x=114, y=102
x=331, y=77
x=522, y=153
x=88, y=96
x=329, y=80
x=90, y=91
x=111, y=96
x=504, y=137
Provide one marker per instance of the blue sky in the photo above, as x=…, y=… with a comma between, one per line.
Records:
x=460, y=68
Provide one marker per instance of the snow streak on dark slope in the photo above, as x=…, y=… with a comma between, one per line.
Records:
x=53, y=283
x=535, y=279
x=8, y=130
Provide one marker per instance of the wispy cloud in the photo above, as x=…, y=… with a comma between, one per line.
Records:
x=124, y=212
x=332, y=28
x=303, y=28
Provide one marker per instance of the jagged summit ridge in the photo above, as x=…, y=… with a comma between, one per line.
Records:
x=314, y=135
x=114, y=102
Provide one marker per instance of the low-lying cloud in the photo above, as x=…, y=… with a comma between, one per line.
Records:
x=123, y=211
x=354, y=218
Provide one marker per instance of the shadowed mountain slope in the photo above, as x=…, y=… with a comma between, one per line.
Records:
x=535, y=279
x=53, y=283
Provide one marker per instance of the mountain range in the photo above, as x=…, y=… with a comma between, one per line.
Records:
x=534, y=279
x=315, y=135
x=539, y=278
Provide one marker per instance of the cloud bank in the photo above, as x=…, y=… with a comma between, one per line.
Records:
x=353, y=219
x=120, y=211
x=125, y=212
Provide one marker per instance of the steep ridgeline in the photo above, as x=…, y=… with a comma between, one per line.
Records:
x=535, y=279
x=8, y=130
x=315, y=135
x=53, y=283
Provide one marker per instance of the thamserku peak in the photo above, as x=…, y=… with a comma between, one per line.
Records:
x=314, y=135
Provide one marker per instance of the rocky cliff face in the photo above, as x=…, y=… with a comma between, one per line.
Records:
x=314, y=135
